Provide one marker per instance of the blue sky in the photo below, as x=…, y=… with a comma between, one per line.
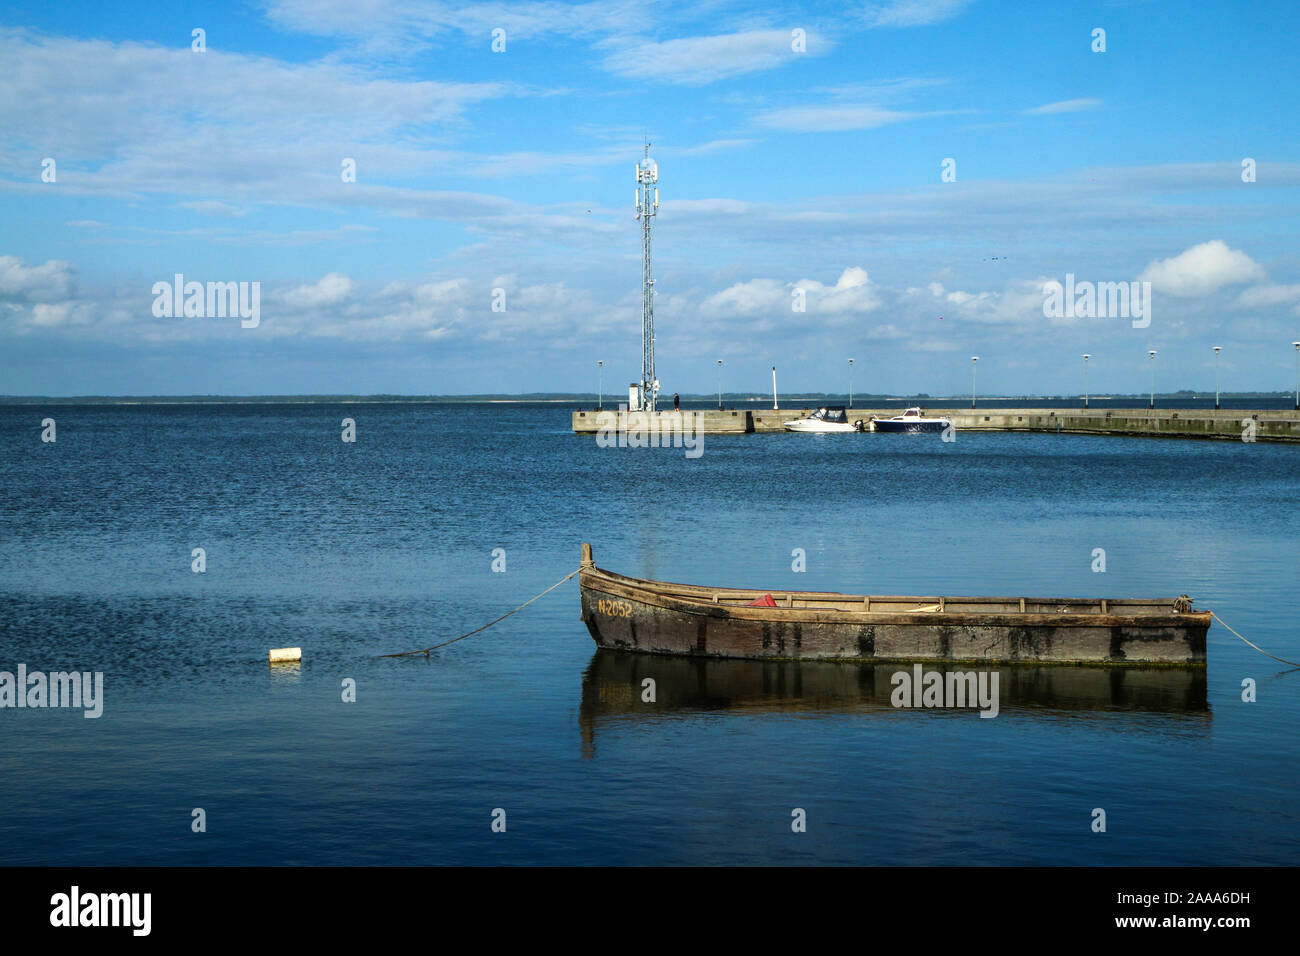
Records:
x=780, y=170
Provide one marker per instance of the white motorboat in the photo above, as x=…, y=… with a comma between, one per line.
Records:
x=910, y=421
x=829, y=418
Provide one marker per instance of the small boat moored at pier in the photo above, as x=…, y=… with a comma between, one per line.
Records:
x=829, y=418
x=910, y=421
x=662, y=618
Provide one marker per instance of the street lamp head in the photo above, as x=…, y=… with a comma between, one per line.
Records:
x=1086, y=356
x=974, y=358
x=1151, y=352
x=1296, y=344
x=1216, y=348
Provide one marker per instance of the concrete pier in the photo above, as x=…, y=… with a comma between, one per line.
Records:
x=685, y=421
x=1230, y=424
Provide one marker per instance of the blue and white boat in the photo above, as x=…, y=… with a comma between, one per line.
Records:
x=910, y=421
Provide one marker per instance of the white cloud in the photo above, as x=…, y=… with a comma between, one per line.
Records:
x=397, y=26
x=1066, y=106
x=703, y=59
x=755, y=297
x=34, y=283
x=330, y=290
x=833, y=118
x=1201, y=270
x=533, y=163
x=1263, y=296
x=213, y=208
x=1020, y=302
x=49, y=314
x=852, y=294
x=221, y=128
x=912, y=13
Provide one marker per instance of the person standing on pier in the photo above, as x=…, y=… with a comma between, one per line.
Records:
x=677, y=402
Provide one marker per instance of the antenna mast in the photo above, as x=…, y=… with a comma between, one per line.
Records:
x=647, y=206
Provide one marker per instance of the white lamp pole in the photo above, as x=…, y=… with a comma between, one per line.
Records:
x=719, y=384
x=1086, y=356
x=1297, y=375
x=775, y=406
x=1216, y=375
x=1152, y=354
x=973, y=360
x=600, y=402
x=850, y=384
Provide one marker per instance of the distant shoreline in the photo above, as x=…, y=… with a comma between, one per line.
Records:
x=743, y=400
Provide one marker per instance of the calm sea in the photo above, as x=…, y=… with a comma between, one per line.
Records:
x=353, y=550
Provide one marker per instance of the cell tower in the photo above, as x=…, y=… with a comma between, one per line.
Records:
x=647, y=206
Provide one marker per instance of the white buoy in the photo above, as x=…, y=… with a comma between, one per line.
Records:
x=284, y=655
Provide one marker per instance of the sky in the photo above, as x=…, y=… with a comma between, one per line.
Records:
x=914, y=173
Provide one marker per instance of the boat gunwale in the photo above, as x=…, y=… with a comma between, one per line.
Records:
x=697, y=599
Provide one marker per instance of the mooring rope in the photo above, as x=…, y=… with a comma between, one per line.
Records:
x=1256, y=646
x=425, y=651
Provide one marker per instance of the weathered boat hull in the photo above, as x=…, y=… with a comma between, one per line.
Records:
x=662, y=618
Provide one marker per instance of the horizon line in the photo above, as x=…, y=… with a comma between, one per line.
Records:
x=485, y=397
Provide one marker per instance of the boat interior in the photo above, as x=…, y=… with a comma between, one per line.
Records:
x=904, y=604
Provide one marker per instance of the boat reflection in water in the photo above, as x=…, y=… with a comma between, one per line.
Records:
x=612, y=689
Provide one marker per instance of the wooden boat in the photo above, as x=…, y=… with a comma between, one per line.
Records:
x=661, y=618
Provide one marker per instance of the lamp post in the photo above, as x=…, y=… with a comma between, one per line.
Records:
x=1297, y=375
x=1086, y=356
x=1216, y=375
x=600, y=401
x=973, y=360
x=719, y=384
x=850, y=384
x=1152, y=354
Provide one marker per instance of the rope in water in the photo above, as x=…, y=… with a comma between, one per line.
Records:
x=425, y=651
x=1256, y=646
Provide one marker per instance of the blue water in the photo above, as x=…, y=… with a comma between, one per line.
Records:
x=355, y=550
